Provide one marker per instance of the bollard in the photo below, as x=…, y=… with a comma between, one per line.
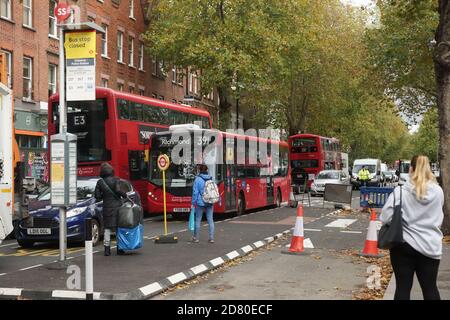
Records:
x=89, y=260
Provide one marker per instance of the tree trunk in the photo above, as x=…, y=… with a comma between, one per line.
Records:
x=442, y=69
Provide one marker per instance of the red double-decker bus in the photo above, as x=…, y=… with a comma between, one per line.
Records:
x=116, y=128
x=245, y=180
x=309, y=154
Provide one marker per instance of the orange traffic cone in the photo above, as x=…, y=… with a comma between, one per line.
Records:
x=298, y=237
x=371, y=245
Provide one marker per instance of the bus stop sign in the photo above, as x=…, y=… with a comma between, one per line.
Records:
x=163, y=162
x=62, y=12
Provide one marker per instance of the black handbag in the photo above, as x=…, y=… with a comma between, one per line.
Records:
x=391, y=234
x=129, y=215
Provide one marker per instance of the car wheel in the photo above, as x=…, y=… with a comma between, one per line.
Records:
x=241, y=205
x=25, y=243
x=95, y=233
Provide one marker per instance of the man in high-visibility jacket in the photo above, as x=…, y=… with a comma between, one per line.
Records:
x=364, y=176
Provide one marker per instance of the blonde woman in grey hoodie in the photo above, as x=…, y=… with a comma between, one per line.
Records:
x=422, y=213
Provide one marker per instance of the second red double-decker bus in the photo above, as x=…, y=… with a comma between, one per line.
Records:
x=309, y=154
x=245, y=180
x=116, y=128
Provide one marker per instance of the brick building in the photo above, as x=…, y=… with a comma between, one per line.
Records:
x=29, y=38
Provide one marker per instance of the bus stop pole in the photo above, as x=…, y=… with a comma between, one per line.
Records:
x=164, y=202
x=62, y=130
x=89, y=261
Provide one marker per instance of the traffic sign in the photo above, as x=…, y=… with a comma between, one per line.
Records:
x=62, y=12
x=163, y=162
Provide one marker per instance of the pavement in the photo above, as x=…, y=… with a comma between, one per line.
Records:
x=443, y=280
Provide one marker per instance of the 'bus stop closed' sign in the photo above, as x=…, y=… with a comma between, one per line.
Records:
x=80, y=65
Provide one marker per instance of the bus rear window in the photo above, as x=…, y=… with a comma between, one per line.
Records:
x=303, y=164
x=304, y=145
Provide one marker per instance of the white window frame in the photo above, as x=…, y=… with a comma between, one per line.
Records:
x=28, y=79
x=105, y=41
x=131, y=89
x=8, y=55
x=52, y=25
x=8, y=14
x=131, y=10
x=105, y=83
x=27, y=13
x=130, y=51
x=120, y=46
x=174, y=75
x=141, y=57
x=142, y=92
x=54, y=74
x=120, y=86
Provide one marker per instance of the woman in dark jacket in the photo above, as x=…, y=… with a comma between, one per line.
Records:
x=108, y=190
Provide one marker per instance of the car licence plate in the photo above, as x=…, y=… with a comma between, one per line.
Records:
x=39, y=231
x=181, y=210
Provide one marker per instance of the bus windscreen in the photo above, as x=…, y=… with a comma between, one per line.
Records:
x=86, y=119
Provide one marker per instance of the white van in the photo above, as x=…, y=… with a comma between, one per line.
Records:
x=374, y=167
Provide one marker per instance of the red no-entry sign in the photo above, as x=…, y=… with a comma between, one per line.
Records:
x=62, y=12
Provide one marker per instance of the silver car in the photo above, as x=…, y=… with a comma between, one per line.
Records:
x=328, y=176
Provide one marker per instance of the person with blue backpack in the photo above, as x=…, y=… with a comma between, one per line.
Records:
x=204, y=194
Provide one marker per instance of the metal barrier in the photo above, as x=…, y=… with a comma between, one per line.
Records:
x=374, y=197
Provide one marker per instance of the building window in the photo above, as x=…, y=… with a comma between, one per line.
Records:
x=5, y=9
x=154, y=67
x=120, y=86
x=131, y=51
x=52, y=19
x=131, y=89
x=30, y=142
x=132, y=9
x=154, y=95
x=141, y=92
x=161, y=98
x=28, y=78
x=51, y=79
x=28, y=13
x=8, y=57
x=105, y=41
x=104, y=83
x=174, y=74
x=141, y=57
x=193, y=82
x=120, y=46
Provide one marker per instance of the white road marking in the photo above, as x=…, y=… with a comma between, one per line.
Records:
x=269, y=239
x=341, y=223
x=2, y=274
x=313, y=230
x=232, y=254
x=182, y=230
x=199, y=269
x=151, y=288
x=68, y=294
x=10, y=291
x=177, y=278
x=27, y=268
x=351, y=231
x=217, y=261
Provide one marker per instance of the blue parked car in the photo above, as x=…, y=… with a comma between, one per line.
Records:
x=42, y=225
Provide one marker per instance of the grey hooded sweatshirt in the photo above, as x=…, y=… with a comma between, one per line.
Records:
x=422, y=219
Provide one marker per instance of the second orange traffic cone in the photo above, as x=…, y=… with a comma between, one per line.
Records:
x=371, y=244
x=298, y=236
